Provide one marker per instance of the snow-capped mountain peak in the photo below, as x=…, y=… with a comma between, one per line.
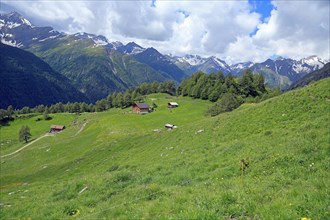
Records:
x=117, y=44
x=15, y=30
x=193, y=63
x=13, y=20
x=220, y=63
x=192, y=60
x=238, y=67
x=99, y=40
x=131, y=48
x=313, y=61
x=279, y=58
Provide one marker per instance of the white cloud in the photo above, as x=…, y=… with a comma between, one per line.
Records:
x=295, y=29
x=66, y=15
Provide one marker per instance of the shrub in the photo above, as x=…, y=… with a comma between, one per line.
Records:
x=227, y=103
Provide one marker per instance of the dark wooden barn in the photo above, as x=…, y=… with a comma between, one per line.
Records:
x=141, y=108
x=56, y=128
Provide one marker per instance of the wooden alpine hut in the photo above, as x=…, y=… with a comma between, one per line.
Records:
x=141, y=108
x=56, y=128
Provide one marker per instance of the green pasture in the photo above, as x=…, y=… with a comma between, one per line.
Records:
x=121, y=165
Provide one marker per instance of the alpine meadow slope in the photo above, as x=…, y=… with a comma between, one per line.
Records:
x=127, y=166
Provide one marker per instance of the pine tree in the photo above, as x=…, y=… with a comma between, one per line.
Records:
x=127, y=99
x=260, y=83
x=76, y=107
x=247, y=84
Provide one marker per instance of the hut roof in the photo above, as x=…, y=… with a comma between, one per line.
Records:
x=142, y=105
x=170, y=126
x=57, y=127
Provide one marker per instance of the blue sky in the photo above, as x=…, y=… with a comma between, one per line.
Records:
x=263, y=7
x=235, y=31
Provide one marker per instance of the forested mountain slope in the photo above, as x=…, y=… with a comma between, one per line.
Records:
x=26, y=80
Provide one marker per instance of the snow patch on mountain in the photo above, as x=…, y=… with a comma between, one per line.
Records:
x=130, y=48
x=50, y=37
x=239, y=67
x=2, y=23
x=220, y=63
x=308, y=64
x=98, y=40
x=12, y=25
x=314, y=61
x=117, y=44
x=137, y=50
x=25, y=21
x=12, y=43
x=242, y=65
x=193, y=60
x=7, y=35
x=298, y=68
x=13, y=20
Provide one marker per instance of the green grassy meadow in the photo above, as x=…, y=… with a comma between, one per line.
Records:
x=119, y=167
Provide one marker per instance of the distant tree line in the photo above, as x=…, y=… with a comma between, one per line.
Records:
x=115, y=100
x=228, y=92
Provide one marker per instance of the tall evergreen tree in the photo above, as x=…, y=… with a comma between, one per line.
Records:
x=260, y=83
x=247, y=84
x=127, y=99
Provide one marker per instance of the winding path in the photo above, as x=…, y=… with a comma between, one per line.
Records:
x=82, y=128
x=47, y=134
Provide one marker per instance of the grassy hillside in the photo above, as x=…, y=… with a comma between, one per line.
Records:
x=194, y=171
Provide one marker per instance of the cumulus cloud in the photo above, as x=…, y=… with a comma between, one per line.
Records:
x=232, y=30
x=295, y=29
x=64, y=15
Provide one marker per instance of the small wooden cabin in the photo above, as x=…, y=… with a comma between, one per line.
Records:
x=56, y=128
x=172, y=105
x=141, y=108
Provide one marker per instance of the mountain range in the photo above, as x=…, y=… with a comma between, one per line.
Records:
x=316, y=75
x=97, y=67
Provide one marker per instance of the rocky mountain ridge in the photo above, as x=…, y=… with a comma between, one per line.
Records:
x=96, y=66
